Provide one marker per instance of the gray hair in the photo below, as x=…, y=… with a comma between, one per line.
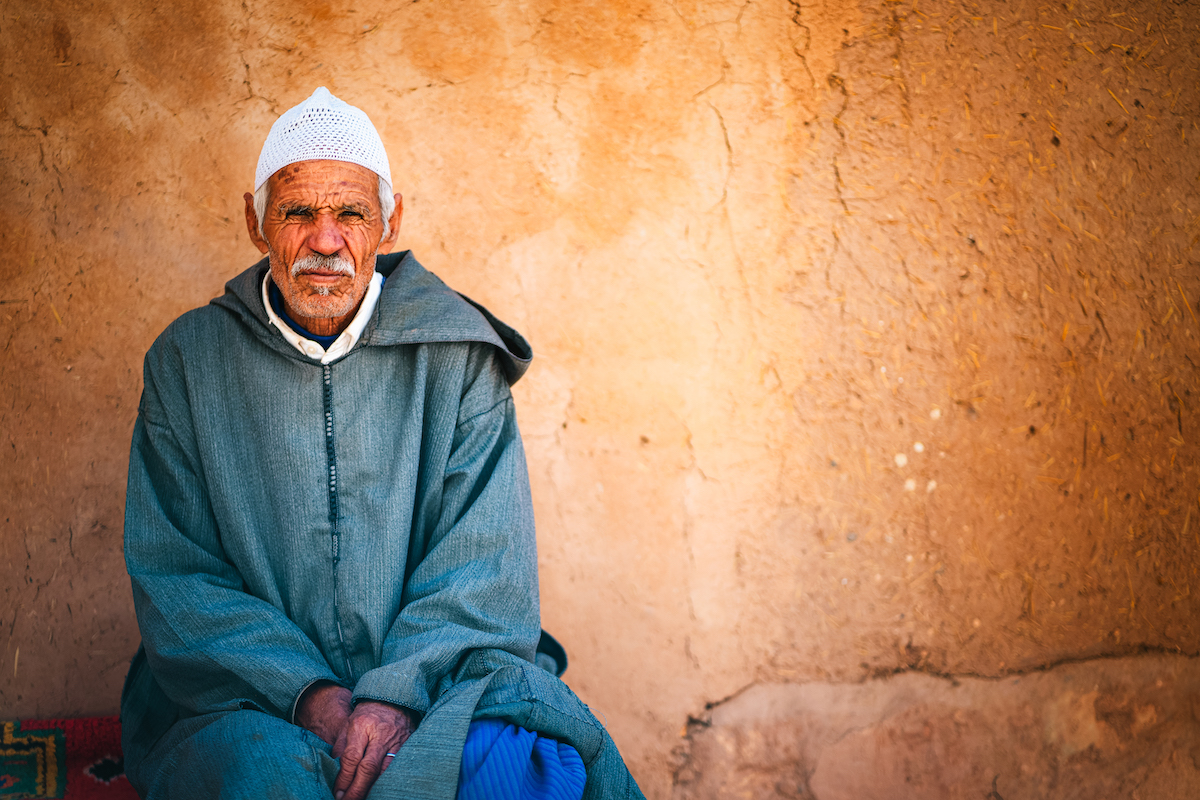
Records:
x=387, y=204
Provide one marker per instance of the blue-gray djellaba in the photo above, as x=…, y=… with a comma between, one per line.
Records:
x=366, y=522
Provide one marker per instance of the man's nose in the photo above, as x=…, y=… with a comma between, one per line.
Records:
x=326, y=237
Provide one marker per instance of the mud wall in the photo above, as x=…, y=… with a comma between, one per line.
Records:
x=866, y=333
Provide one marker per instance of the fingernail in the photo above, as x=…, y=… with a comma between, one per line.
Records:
x=339, y=795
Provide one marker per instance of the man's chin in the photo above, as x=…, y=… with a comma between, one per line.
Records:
x=319, y=306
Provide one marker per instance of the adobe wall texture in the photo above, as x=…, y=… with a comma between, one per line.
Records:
x=867, y=333
x=1111, y=728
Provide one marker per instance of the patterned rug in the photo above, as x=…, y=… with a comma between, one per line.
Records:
x=74, y=759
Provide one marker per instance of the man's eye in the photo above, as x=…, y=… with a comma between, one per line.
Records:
x=349, y=214
x=296, y=213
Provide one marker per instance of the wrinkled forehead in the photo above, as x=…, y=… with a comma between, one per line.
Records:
x=325, y=180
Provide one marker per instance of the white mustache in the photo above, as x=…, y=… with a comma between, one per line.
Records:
x=315, y=263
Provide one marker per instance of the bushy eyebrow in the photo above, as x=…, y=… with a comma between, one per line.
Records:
x=304, y=208
x=286, y=207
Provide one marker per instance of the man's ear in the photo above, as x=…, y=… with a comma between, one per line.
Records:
x=389, y=241
x=252, y=224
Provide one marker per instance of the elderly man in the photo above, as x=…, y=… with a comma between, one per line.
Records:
x=328, y=526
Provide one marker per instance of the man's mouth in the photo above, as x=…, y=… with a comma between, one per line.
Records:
x=323, y=269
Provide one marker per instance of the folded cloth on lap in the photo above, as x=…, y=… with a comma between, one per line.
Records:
x=506, y=762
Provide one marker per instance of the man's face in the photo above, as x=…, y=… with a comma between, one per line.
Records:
x=322, y=228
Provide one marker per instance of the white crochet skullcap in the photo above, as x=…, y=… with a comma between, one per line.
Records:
x=322, y=127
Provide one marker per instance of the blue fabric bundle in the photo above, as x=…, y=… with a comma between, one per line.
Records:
x=505, y=762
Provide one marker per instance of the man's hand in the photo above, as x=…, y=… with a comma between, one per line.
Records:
x=325, y=710
x=372, y=731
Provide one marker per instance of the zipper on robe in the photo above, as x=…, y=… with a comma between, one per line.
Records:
x=331, y=457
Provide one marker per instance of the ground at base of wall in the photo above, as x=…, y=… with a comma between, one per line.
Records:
x=1112, y=728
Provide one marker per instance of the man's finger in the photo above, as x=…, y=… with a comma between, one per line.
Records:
x=352, y=757
x=364, y=776
x=339, y=744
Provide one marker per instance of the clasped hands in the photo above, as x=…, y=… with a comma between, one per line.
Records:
x=362, y=735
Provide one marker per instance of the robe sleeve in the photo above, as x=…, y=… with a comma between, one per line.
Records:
x=472, y=579
x=210, y=645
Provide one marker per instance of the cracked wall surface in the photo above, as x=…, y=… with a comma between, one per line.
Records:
x=866, y=332
x=1111, y=728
